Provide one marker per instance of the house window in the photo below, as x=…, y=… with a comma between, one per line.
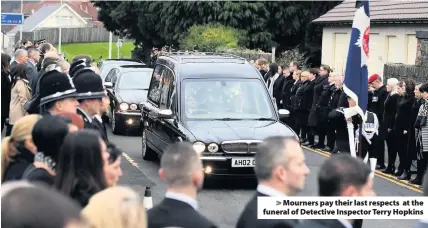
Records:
x=63, y=20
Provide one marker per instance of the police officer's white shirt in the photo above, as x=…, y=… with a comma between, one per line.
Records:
x=86, y=115
x=269, y=191
x=99, y=118
x=183, y=198
x=345, y=223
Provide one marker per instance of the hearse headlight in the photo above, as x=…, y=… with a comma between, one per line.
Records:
x=124, y=106
x=212, y=147
x=133, y=107
x=199, y=147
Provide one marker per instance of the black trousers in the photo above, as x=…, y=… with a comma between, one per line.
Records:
x=380, y=145
x=370, y=148
x=331, y=136
x=401, y=140
x=392, y=149
x=322, y=132
x=311, y=131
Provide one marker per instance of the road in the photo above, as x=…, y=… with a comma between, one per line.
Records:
x=223, y=201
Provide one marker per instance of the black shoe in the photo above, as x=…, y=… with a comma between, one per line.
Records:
x=389, y=170
x=328, y=149
x=319, y=146
x=380, y=167
x=417, y=180
x=405, y=175
x=399, y=172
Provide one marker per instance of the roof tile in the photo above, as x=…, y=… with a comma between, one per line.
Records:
x=380, y=10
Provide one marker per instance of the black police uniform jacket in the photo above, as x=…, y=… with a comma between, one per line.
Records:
x=248, y=218
x=175, y=213
x=94, y=124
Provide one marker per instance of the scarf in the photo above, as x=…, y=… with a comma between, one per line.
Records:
x=48, y=161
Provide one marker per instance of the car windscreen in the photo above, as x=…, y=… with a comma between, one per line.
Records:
x=226, y=99
x=135, y=80
x=107, y=66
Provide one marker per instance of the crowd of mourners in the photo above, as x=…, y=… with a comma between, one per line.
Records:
x=396, y=124
x=59, y=169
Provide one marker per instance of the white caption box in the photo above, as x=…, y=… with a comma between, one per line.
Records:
x=342, y=207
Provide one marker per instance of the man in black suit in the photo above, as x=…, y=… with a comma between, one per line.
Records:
x=281, y=171
x=33, y=59
x=377, y=106
x=182, y=171
x=342, y=175
x=21, y=56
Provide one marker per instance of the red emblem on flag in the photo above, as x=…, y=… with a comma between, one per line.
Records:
x=365, y=42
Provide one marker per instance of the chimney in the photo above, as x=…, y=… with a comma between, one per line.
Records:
x=422, y=49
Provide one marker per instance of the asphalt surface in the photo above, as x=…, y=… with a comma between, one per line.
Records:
x=222, y=201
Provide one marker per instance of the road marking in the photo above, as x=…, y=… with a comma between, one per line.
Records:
x=378, y=173
x=135, y=164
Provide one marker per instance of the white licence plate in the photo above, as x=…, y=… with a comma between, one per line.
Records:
x=243, y=162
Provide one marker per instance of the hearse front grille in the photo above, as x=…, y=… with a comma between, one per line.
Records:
x=240, y=146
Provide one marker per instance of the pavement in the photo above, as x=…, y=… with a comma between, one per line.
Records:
x=222, y=201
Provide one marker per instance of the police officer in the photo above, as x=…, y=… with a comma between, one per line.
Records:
x=57, y=93
x=78, y=65
x=90, y=94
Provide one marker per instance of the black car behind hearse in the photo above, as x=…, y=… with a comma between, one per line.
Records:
x=218, y=102
x=127, y=87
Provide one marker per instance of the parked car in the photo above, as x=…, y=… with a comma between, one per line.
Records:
x=217, y=102
x=108, y=64
x=127, y=87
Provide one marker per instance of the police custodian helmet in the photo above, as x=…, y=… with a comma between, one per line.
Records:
x=54, y=86
x=89, y=85
x=77, y=66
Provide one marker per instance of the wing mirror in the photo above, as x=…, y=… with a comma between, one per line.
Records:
x=283, y=113
x=165, y=114
x=108, y=85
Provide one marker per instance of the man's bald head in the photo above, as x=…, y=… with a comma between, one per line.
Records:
x=272, y=152
x=179, y=164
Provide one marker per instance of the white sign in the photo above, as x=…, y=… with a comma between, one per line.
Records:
x=342, y=207
x=243, y=162
x=119, y=43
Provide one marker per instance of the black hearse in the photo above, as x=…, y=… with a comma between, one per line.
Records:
x=218, y=102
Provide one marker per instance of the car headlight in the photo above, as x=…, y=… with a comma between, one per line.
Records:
x=199, y=147
x=133, y=107
x=124, y=106
x=212, y=147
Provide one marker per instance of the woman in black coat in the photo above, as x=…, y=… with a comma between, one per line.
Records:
x=277, y=87
x=6, y=87
x=302, y=105
x=292, y=100
x=388, y=120
x=411, y=146
x=319, y=83
x=402, y=124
